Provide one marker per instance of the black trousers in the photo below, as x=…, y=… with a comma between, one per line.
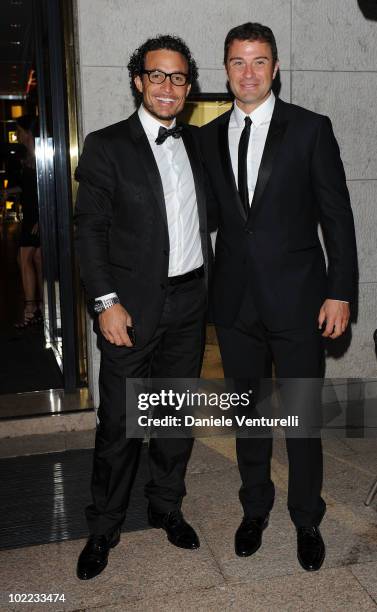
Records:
x=247, y=350
x=175, y=351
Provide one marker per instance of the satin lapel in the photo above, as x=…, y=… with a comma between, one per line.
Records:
x=227, y=163
x=197, y=172
x=273, y=141
x=148, y=162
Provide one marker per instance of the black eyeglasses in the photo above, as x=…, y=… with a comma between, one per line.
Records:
x=158, y=77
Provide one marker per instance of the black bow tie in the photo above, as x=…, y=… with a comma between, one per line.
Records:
x=164, y=133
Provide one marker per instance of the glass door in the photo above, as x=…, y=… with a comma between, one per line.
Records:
x=54, y=192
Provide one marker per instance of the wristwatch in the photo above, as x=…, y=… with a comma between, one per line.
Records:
x=104, y=304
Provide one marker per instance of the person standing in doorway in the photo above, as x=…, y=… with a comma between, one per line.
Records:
x=29, y=254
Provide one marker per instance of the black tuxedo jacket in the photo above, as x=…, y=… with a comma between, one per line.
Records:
x=275, y=248
x=122, y=233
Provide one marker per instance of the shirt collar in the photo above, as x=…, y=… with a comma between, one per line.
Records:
x=150, y=124
x=262, y=114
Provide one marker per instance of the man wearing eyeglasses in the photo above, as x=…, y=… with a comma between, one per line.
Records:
x=142, y=244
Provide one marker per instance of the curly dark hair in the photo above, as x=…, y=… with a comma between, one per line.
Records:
x=171, y=43
x=251, y=31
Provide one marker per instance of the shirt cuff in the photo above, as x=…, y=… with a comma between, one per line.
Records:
x=106, y=297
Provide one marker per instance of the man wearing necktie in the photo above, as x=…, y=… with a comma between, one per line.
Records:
x=275, y=173
x=142, y=245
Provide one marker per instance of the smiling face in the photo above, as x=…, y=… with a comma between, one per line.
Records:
x=164, y=101
x=250, y=70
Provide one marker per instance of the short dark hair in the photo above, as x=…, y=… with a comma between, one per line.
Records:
x=251, y=31
x=171, y=43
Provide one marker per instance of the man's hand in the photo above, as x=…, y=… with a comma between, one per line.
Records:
x=336, y=314
x=113, y=323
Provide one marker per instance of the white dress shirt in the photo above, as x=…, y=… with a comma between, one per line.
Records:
x=178, y=185
x=180, y=197
x=261, y=119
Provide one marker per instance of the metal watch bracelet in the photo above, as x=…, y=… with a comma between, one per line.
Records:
x=101, y=305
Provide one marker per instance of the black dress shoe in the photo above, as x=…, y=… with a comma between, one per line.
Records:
x=179, y=532
x=310, y=548
x=93, y=558
x=248, y=536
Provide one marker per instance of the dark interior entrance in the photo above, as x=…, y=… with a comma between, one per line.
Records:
x=38, y=338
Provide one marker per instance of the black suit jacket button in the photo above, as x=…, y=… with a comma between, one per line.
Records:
x=162, y=286
x=249, y=231
x=165, y=252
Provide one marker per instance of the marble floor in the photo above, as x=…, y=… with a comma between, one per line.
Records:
x=146, y=573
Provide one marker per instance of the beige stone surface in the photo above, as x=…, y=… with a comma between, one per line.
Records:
x=333, y=94
x=363, y=199
x=205, y=459
x=276, y=557
x=362, y=446
x=46, y=443
x=366, y=574
x=326, y=591
x=332, y=35
x=144, y=563
x=359, y=361
x=121, y=27
x=107, y=99
x=79, y=421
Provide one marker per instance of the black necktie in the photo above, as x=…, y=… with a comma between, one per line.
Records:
x=164, y=133
x=243, y=189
